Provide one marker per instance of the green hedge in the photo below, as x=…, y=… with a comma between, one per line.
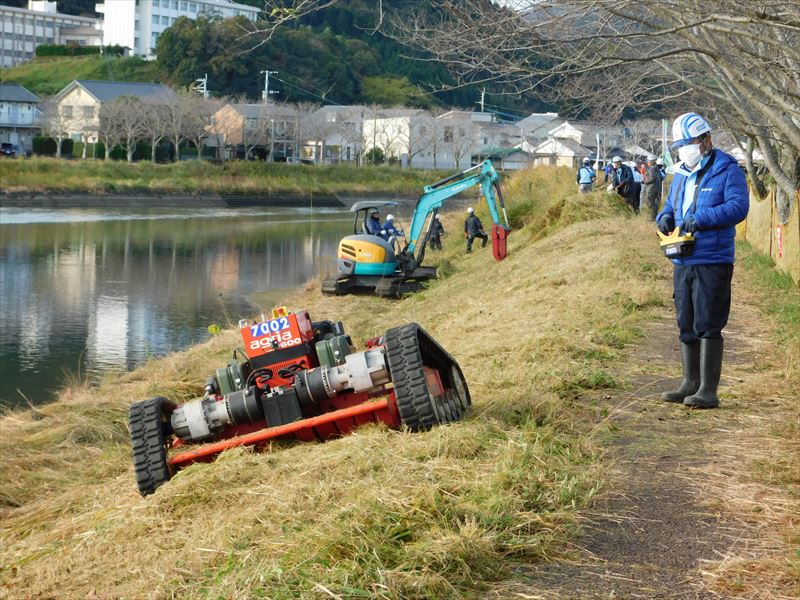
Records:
x=67, y=50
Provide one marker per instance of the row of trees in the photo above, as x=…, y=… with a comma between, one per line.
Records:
x=128, y=120
x=735, y=61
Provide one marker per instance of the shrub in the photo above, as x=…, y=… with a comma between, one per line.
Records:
x=44, y=146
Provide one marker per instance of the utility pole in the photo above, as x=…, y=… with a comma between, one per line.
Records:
x=265, y=94
x=483, y=98
x=201, y=85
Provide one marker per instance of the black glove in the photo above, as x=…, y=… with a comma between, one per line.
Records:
x=666, y=224
x=689, y=224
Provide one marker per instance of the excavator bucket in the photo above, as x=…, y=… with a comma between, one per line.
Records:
x=499, y=245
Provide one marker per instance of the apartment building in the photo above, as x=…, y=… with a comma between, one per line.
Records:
x=19, y=116
x=136, y=24
x=22, y=30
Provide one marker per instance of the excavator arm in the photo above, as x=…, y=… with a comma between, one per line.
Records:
x=434, y=197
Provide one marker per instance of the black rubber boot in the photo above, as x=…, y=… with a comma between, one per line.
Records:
x=710, y=371
x=690, y=361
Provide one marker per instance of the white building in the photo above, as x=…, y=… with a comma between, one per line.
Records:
x=19, y=118
x=136, y=24
x=332, y=134
x=22, y=30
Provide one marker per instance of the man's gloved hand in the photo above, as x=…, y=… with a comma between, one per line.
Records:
x=689, y=224
x=666, y=224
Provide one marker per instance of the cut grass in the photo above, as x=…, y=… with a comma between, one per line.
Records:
x=381, y=514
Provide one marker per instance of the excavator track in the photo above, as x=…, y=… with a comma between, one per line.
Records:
x=408, y=349
x=147, y=421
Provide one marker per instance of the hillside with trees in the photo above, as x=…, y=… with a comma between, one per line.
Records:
x=330, y=56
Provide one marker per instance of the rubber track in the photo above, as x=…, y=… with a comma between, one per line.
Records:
x=405, y=348
x=145, y=421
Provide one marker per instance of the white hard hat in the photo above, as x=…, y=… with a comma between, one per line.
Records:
x=616, y=159
x=659, y=161
x=688, y=127
x=650, y=158
x=389, y=217
x=586, y=159
x=470, y=210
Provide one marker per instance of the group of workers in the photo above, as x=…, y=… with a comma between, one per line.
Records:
x=640, y=186
x=473, y=228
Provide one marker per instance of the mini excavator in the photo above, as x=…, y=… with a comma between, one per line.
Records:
x=370, y=263
x=303, y=379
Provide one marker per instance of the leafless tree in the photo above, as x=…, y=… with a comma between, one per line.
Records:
x=109, y=130
x=645, y=133
x=155, y=124
x=57, y=121
x=735, y=61
x=176, y=113
x=420, y=134
x=128, y=115
x=198, y=120
x=459, y=138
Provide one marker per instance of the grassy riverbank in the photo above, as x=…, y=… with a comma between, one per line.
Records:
x=202, y=177
x=379, y=514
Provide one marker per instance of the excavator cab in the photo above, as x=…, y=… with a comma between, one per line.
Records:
x=363, y=209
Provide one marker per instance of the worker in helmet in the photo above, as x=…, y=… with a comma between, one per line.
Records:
x=622, y=182
x=651, y=196
x=436, y=233
x=707, y=198
x=474, y=228
x=390, y=232
x=373, y=223
x=585, y=176
x=660, y=165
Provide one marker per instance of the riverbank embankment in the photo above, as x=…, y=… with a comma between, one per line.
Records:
x=460, y=511
x=84, y=182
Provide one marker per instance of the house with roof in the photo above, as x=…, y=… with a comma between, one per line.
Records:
x=561, y=152
x=402, y=134
x=332, y=134
x=535, y=127
x=511, y=158
x=264, y=131
x=603, y=140
x=19, y=116
x=75, y=111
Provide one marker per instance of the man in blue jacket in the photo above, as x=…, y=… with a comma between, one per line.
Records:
x=585, y=177
x=707, y=198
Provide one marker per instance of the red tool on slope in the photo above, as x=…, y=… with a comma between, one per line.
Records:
x=303, y=379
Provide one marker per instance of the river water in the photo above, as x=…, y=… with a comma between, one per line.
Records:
x=84, y=292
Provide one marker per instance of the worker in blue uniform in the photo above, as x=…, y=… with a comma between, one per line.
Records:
x=707, y=198
x=585, y=177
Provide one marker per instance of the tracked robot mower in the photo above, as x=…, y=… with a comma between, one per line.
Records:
x=299, y=379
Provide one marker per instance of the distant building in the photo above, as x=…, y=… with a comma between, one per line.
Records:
x=588, y=134
x=561, y=152
x=400, y=133
x=332, y=134
x=78, y=105
x=19, y=121
x=535, y=126
x=136, y=24
x=263, y=131
x=22, y=30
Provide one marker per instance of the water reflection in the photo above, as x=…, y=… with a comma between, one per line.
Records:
x=91, y=291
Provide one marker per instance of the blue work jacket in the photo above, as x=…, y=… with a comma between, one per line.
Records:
x=723, y=200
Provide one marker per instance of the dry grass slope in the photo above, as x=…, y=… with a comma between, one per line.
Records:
x=380, y=513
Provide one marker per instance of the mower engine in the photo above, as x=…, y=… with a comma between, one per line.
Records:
x=303, y=379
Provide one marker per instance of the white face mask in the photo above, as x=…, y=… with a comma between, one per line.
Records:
x=690, y=155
